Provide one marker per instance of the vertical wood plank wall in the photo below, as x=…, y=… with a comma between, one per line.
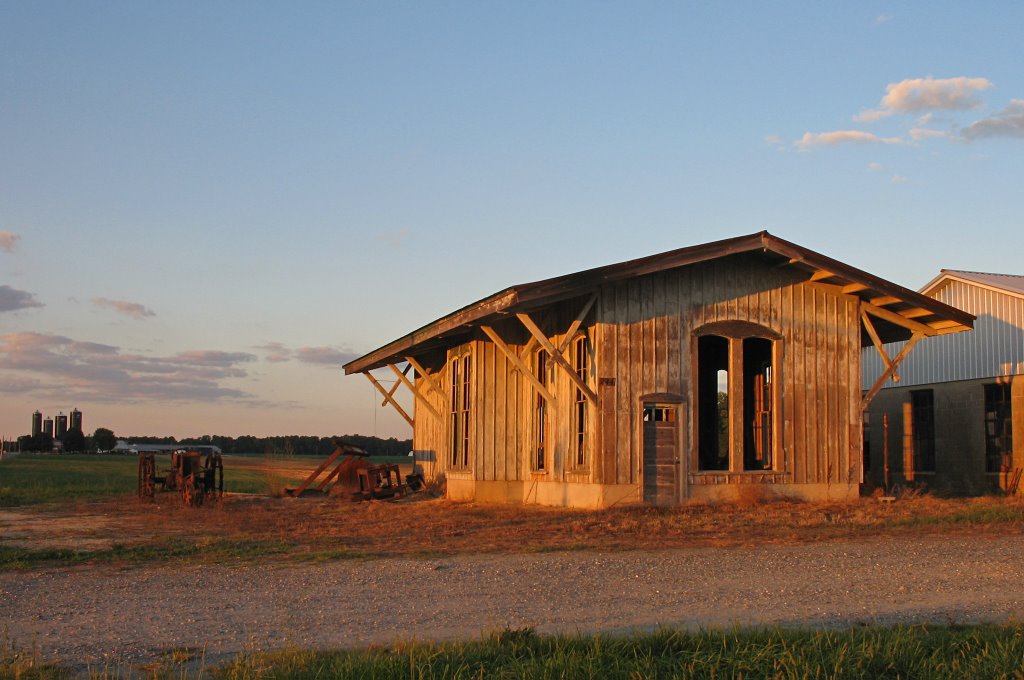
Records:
x=640, y=333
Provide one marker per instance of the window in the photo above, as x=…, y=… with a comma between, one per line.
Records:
x=922, y=408
x=580, y=365
x=540, y=434
x=459, y=410
x=998, y=429
x=736, y=378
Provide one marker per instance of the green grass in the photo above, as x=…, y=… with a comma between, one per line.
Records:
x=30, y=479
x=992, y=514
x=901, y=652
x=986, y=651
x=219, y=550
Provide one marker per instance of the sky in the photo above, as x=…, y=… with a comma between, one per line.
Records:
x=207, y=208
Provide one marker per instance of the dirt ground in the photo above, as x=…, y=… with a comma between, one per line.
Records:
x=325, y=572
x=117, y=620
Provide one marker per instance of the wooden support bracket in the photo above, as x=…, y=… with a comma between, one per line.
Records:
x=415, y=391
x=517, y=362
x=898, y=319
x=431, y=384
x=389, y=398
x=394, y=388
x=557, y=357
x=877, y=387
x=877, y=342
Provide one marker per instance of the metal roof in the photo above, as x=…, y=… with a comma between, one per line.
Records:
x=905, y=306
x=1006, y=283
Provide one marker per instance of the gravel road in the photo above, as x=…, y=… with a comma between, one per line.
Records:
x=101, y=614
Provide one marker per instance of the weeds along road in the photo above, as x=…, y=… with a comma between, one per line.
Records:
x=102, y=614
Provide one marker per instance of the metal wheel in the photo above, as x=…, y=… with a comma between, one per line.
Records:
x=191, y=495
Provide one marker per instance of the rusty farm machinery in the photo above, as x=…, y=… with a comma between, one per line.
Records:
x=194, y=476
x=355, y=478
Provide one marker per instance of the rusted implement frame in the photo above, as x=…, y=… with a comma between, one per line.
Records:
x=340, y=449
x=380, y=481
x=194, y=477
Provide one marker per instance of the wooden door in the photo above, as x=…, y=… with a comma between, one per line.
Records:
x=662, y=453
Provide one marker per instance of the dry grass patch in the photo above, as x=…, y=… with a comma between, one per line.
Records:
x=256, y=527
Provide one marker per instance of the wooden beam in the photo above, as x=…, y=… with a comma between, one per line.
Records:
x=389, y=398
x=877, y=342
x=394, y=388
x=885, y=300
x=427, y=378
x=898, y=319
x=575, y=325
x=916, y=312
x=416, y=391
x=821, y=275
x=877, y=387
x=557, y=357
x=517, y=362
x=853, y=288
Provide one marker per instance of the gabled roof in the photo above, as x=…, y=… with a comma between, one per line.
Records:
x=1011, y=284
x=903, y=306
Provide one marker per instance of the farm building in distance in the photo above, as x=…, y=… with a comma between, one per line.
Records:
x=953, y=415
x=694, y=373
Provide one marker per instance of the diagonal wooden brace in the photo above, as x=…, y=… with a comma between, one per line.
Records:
x=557, y=357
x=394, y=388
x=877, y=387
x=517, y=362
x=431, y=384
x=389, y=398
x=877, y=342
x=415, y=391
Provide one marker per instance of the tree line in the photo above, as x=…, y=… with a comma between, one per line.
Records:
x=288, y=445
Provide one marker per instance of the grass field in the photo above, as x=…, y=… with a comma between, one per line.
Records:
x=28, y=479
x=73, y=509
x=986, y=651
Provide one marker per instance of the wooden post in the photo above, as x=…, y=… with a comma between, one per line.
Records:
x=885, y=451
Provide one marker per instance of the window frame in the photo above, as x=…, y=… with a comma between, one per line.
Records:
x=541, y=436
x=1006, y=418
x=460, y=401
x=582, y=364
x=735, y=332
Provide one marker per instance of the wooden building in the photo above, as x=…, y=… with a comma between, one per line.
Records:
x=956, y=419
x=706, y=372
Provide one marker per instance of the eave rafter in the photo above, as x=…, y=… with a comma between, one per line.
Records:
x=556, y=352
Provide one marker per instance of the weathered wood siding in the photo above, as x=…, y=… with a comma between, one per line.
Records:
x=645, y=325
x=641, y=334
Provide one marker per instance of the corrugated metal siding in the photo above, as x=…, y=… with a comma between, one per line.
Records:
x=994, y=348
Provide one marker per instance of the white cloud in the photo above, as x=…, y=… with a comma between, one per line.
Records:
x=917, y=134
x=132, y=309
x=1006, y=123
x=774, y=140
x=925, y=94
x=12, y=299
x=331, y=356
x=835, y=137
x=98, y=372
x=276, y=352
x=883, y=19
x=874, y=166
x=899, y=179
x=9, y=241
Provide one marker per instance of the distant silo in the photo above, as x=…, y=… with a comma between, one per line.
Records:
x=61, y=425
x=48, y=426
x=37, y=423
x=76, y=420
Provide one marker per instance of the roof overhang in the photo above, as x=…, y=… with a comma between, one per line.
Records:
x=900, y=311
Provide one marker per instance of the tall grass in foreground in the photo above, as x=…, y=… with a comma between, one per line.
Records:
x=988, y=651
